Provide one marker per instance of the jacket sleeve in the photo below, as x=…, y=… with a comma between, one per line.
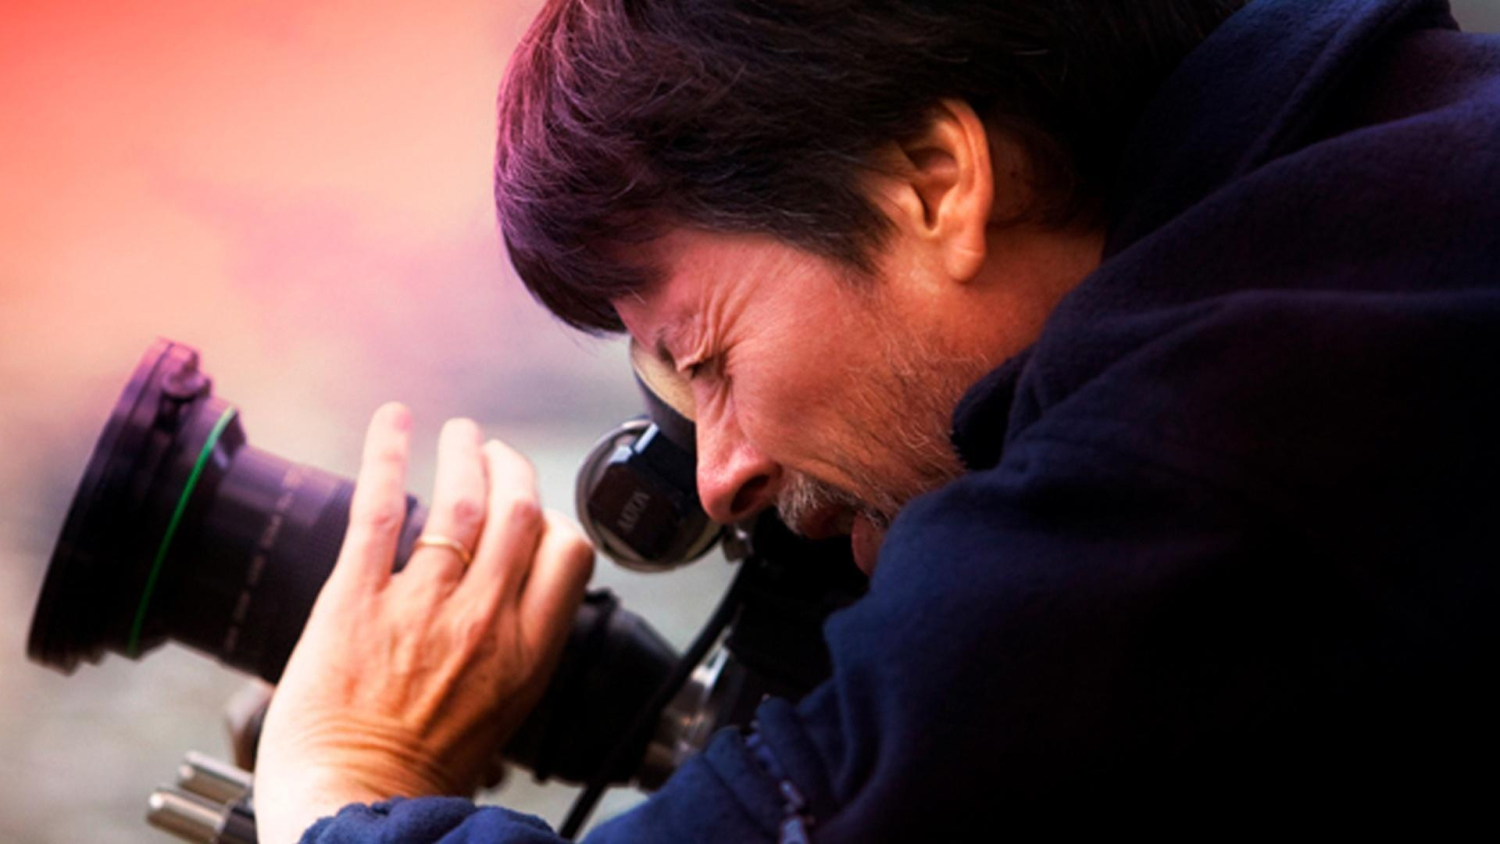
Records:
x=1073, y=621
x=725, y=794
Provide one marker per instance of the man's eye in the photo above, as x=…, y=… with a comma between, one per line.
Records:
x=710, y=366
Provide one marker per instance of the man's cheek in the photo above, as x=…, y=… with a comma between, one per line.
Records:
x=786, y=420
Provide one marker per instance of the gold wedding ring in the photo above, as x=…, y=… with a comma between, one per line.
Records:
x=434, y=540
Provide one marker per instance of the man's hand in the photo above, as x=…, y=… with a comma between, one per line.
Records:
x=405, y=684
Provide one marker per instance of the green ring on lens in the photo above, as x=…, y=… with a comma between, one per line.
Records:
x=132, y=647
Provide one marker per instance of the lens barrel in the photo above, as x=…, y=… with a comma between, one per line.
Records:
x=180, y=530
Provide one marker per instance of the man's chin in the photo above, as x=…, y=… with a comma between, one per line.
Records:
x=865, y=538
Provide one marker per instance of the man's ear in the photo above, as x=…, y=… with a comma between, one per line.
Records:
x=943, y=190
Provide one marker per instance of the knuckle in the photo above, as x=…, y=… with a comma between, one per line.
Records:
x=475, y=631
x=390, y=455
x=467, y=511
x=523, y=513
x=383, y=516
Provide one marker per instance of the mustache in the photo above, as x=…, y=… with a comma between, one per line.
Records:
x=802, y=497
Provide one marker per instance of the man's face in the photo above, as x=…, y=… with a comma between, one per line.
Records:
x=825, y=396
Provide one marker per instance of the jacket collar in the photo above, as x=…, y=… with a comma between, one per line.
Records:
x=1248, y=94
x=982, y=415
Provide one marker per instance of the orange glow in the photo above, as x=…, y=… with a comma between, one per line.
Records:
x=300, y=189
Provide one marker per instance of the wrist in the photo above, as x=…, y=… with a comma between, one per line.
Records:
x=373, y=758
x=327, y=766
x=286, y=807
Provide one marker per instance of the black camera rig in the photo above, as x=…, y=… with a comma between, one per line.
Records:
x=180, y=530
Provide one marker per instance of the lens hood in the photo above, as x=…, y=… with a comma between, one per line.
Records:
x=77, y=613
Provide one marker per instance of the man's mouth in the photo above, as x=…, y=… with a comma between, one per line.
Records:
x=823, y=523
x=866, y=530
x=818, y=510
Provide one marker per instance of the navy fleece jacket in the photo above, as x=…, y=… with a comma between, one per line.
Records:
x=1229, y=539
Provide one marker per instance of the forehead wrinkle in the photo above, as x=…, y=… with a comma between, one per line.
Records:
x=680, y=307
x=707, y=283
x=739, y=271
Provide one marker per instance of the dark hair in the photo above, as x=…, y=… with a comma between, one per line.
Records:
x=619, y=118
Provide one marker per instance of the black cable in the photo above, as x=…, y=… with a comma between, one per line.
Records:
x=646, y=719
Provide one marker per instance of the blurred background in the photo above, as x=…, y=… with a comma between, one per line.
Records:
x=301, y=191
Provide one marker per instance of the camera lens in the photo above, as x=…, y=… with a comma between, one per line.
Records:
x=181, y=530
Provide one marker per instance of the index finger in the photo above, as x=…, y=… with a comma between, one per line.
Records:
x=378, y=507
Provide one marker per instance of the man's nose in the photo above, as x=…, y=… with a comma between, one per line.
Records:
x=735, y=481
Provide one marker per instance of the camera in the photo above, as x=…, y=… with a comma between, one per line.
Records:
x=182, y=531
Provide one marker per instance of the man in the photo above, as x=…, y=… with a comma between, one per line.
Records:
x=1210, y=299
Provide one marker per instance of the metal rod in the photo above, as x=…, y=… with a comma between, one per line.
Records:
x=187, y=816
x=210, y=778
